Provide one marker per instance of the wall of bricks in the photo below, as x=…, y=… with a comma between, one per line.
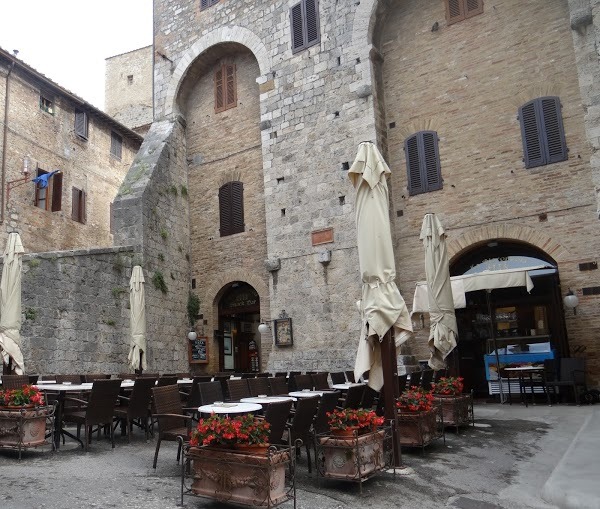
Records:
x=128, y=88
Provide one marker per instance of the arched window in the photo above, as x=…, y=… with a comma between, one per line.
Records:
x=231, y=208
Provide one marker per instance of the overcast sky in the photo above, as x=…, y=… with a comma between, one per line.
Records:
x=69, y=40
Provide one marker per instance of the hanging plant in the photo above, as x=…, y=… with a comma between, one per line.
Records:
x=158, y=281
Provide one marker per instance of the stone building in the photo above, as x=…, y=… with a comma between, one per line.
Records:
x=240, y=190
x=128, y=89
x=46, y=128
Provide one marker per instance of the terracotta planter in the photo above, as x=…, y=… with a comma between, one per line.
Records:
x=417, y=429
x=345, y=433
x=23, y=426
x=252, y=448
x=238, y=477
x=352, y=458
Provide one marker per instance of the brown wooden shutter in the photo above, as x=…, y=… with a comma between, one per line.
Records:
x=530, y=134
x=297, y=27
x=431, y=161
x=231, y=96
x=82, y=207
x=455, y=11
x=237, y=207
x=312, y=22
x=75, y=205
x=473, y=7
x=225, y=209
x=219, y=90
x=57, y=185
x=552, y=129
x=110, y=217
x=81, y=124
x=413, y=165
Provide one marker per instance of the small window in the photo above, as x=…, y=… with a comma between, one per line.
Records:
x=304, y=22
x=48, y=192
x=78, y=205
x=205, y=4
x=225, y=88
x=542, y=132
x=81, y=124
x=116, y=145
x=130, y=79
x=458, y=10
x=423, y=162
x=46, y=105
x=231, y=208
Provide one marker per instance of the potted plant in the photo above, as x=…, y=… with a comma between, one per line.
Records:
x=345, y=422
x=22, y=417
x=457, y=408
x=416, y=417
x=232, y=461
x=448, y=386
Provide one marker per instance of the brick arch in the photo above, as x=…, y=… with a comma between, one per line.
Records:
x=220, y=35
x=457, y=246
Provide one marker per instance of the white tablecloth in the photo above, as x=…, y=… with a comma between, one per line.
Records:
x=230, y=408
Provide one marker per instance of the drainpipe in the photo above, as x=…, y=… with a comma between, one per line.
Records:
x=4, y=133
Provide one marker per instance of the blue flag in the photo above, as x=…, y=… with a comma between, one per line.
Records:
x=42, y=180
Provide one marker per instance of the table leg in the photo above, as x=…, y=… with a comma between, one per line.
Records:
x=522, y=388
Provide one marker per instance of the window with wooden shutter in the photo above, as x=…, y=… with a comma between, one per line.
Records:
x=542, y=132
x=41, y=193
x=423, y=163
x=225, y=88
x=81, y=124
x=304, y=25
x=57, y=185
x=78, y=205
x=116, y=145
x=458, y=10
x=231, y=208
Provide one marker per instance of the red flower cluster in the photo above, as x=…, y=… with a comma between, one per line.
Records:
x=26, y=395
x=216, y=430
x=350, y=418
x=415, y=399
x=448, y=386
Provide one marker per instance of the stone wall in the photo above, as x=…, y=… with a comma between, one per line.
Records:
x=128, y=88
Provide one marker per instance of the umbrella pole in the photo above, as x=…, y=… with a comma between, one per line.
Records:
x=390, y=393
x=141, y=370
x=493, y=334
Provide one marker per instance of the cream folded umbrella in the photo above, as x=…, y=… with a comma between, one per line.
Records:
x=137, y=304
x=443, y=331
x=10, y=304
x=381, y=306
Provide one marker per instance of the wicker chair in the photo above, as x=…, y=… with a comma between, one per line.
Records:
x=14, y=381
x=354, y=396
x=238, y=389
x=166, y=380
x=415, y=379
x=338, y=377
x=277, y=415
x=301, y=382
x=98, y=410
x=327, y=403
x=263, y=375
x=172, y=423
x=350, y=376
x=302, y=421
x=259, y=386
x=278, y=385
x=426, y=379
x=320, y=381
x=74, y=379
x=368, y=398
x=282, y=373
x=135, y=406
x=95, y=376
x=210, y=392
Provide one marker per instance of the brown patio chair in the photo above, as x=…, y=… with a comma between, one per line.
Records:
x=281, y=373
x=194, y=399
x=402, y=380
x=368, y=398
x=426, y=379
x=97, y=411
x=172, y=423
x=350, y=376
x=166, y=380
x=33, y=379
x=202, y=378
x=302, y=421
x=238, y=389
x=327, y=404
x=95, y=376
x=439, y=374
x=135, y=406
x=415, y=379
x=222, y=379
x=320, y=381
x=149, y=375
x=210, y=392
x=14, y=381
x=276, y=415
x=248, y=375
x=74, y=379
x=301, y=382
x=278, y=385
x=259, y=386
x=338, y=377
x=183, y=375
x=263, y=375
x=354, y=396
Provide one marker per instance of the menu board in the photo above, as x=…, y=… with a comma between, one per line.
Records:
x=198, y=350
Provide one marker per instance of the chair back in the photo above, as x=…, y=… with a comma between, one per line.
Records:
x=14, y=381
x=354, y=396
x=74, y=379
x=368, y=398
x=327, y=404
x=277, y=415
x=278, y=385
x=194, y=398
x=550, y=370
x=350, y=376
x=402, y=379
x=222, y=379
x=572, y=370
x=415, y=379
x=183, y=375
x=263, y=375
x=102, y=400
x=426, y=379
x=294, y=373
x=339, y=377
x=202, y=378
x=281, y=373
x=166, y=380
x=140, y=398
x=319, y=381
x=306, y=408
x=33, y=379
x=166, y=400
x=248, y=375
x=95, y=376
x=259, y=386
x=302, y=382
x=238, y=389
x=439, y=374
x=210, y=392
x=150, y=375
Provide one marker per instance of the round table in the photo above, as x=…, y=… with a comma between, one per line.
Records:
x=306, y=394
x=346, y=386
x=230, y=408
x=268, y=399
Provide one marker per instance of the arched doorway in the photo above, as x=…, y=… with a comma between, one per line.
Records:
x=239, y=318
x=522, y=327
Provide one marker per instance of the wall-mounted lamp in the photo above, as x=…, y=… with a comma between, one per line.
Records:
x=192, y=335
x=571, y=301
x=263, y=328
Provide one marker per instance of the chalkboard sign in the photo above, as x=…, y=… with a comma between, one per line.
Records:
x=198, y=350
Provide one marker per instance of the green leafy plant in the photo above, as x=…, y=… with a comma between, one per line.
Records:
x=193, y=308
x=164, y=233
x=30, y=314
x=161, y=257
x=184, y=191
x=173, y=190
x=34, y=263
x=158, y=280
x=110, y=323
x=117, y=291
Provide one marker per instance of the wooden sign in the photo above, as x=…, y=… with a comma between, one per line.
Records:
x=198, y=350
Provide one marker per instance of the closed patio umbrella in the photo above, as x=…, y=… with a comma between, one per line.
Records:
x=443, y=330
x=381, y=306
x=10, y=304
x=137, y=302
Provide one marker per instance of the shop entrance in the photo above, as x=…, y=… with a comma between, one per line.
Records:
x=239, y=318
x=521, y=327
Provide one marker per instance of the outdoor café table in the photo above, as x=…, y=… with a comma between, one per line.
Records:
x=265, y=400
x=184, y=381
x=346, y=386
x=522, y=371
x=230, y=408
x=306, y=394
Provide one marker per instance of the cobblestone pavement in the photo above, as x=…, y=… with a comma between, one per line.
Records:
x=503, y=462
